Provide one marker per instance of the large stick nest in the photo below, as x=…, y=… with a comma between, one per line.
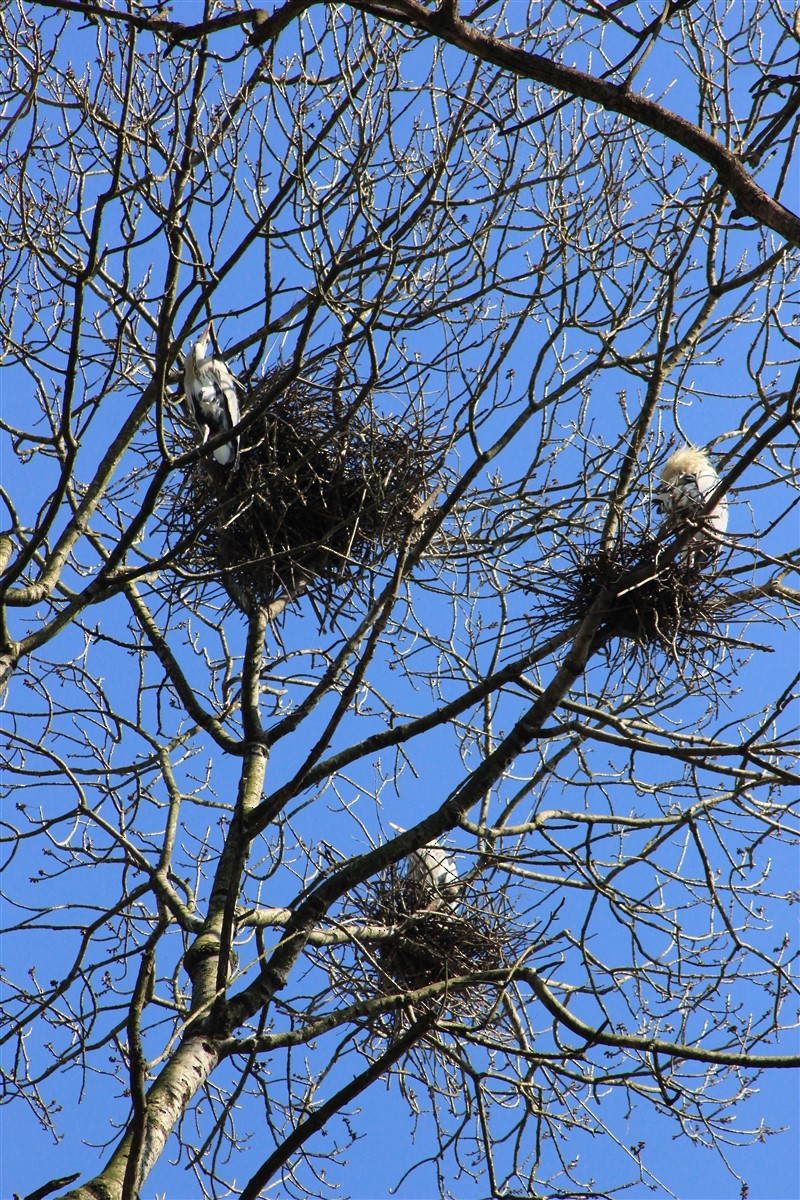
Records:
x=657, y=599
x=436, y=940
x=319, y=496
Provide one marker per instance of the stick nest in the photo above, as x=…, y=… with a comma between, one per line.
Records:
x=437, y=941
x=317, y=499
x=658, y=601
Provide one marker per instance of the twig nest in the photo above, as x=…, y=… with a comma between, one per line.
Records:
x=319, y=497
x=436, y=941
x=658, y=600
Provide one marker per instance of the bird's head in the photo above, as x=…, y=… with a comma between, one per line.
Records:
x=686, y=461
x=201, y=345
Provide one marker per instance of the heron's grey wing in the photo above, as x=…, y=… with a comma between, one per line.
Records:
x=686, y=495
x=227, y=402
x=230, y=398
x=707, y=481
x=193, y=401
x=678, y=496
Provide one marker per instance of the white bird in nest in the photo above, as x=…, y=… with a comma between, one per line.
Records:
x=687, y=481
x=211, y=398
x=431, y=868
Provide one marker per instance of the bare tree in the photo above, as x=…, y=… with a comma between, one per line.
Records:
x=476, y=274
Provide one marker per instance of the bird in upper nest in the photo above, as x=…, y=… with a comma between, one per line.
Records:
x=432, y=869
x=211, y=398
x=687, y=481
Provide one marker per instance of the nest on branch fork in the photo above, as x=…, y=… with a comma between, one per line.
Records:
x=317, y=500
x=657, y=600
x=435, y=942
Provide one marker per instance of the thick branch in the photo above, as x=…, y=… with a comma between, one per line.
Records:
x=457, y=805
x=751, y=199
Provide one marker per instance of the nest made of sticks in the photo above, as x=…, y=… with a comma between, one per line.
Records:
x=657, y=599
x=437, y=940
x=319, y=496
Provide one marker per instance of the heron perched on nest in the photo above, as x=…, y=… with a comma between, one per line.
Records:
x=432, y=874
x=687, y=481
x=316, y=504
x=211, y=398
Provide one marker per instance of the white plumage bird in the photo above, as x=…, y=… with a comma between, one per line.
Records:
x=687, y=481
x=431, y=868
x=434, y=869
x=212, y=400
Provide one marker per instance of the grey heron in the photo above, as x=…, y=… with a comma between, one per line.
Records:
x=212, y=400
x=431, y=868
x=687, y=481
